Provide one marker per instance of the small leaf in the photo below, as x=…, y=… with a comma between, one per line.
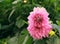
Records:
x=23, y=37
x=13, y=40
x=56, y=27
x=0, y=26
x=58, y=22
x=20, y=23
x=11, y=14
x=53, y=40
x=7, y=1
x=1, y=0
x=30, y=40
x=43, y=41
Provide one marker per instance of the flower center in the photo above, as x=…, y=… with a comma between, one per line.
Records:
x=39, y=19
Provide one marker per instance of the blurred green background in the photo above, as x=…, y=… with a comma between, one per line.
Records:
x=13, y=19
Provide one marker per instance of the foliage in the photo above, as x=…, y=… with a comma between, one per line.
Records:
x=13, y=21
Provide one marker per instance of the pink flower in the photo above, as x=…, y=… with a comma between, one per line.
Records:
x=39, y=25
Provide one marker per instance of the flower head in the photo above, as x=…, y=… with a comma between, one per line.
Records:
x=39, y=26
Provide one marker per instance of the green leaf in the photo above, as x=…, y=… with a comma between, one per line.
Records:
x=56, y=27
x=58, y=22
x=23, y=37
x=7, y=1
x=5, y=26
x=3, y=41
x=13, y=40
x=1, y=0
x=0, y=26
x=43, y=41
x=11, y=14
x=53, y=40
x=20, y=23
x=29, y=40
